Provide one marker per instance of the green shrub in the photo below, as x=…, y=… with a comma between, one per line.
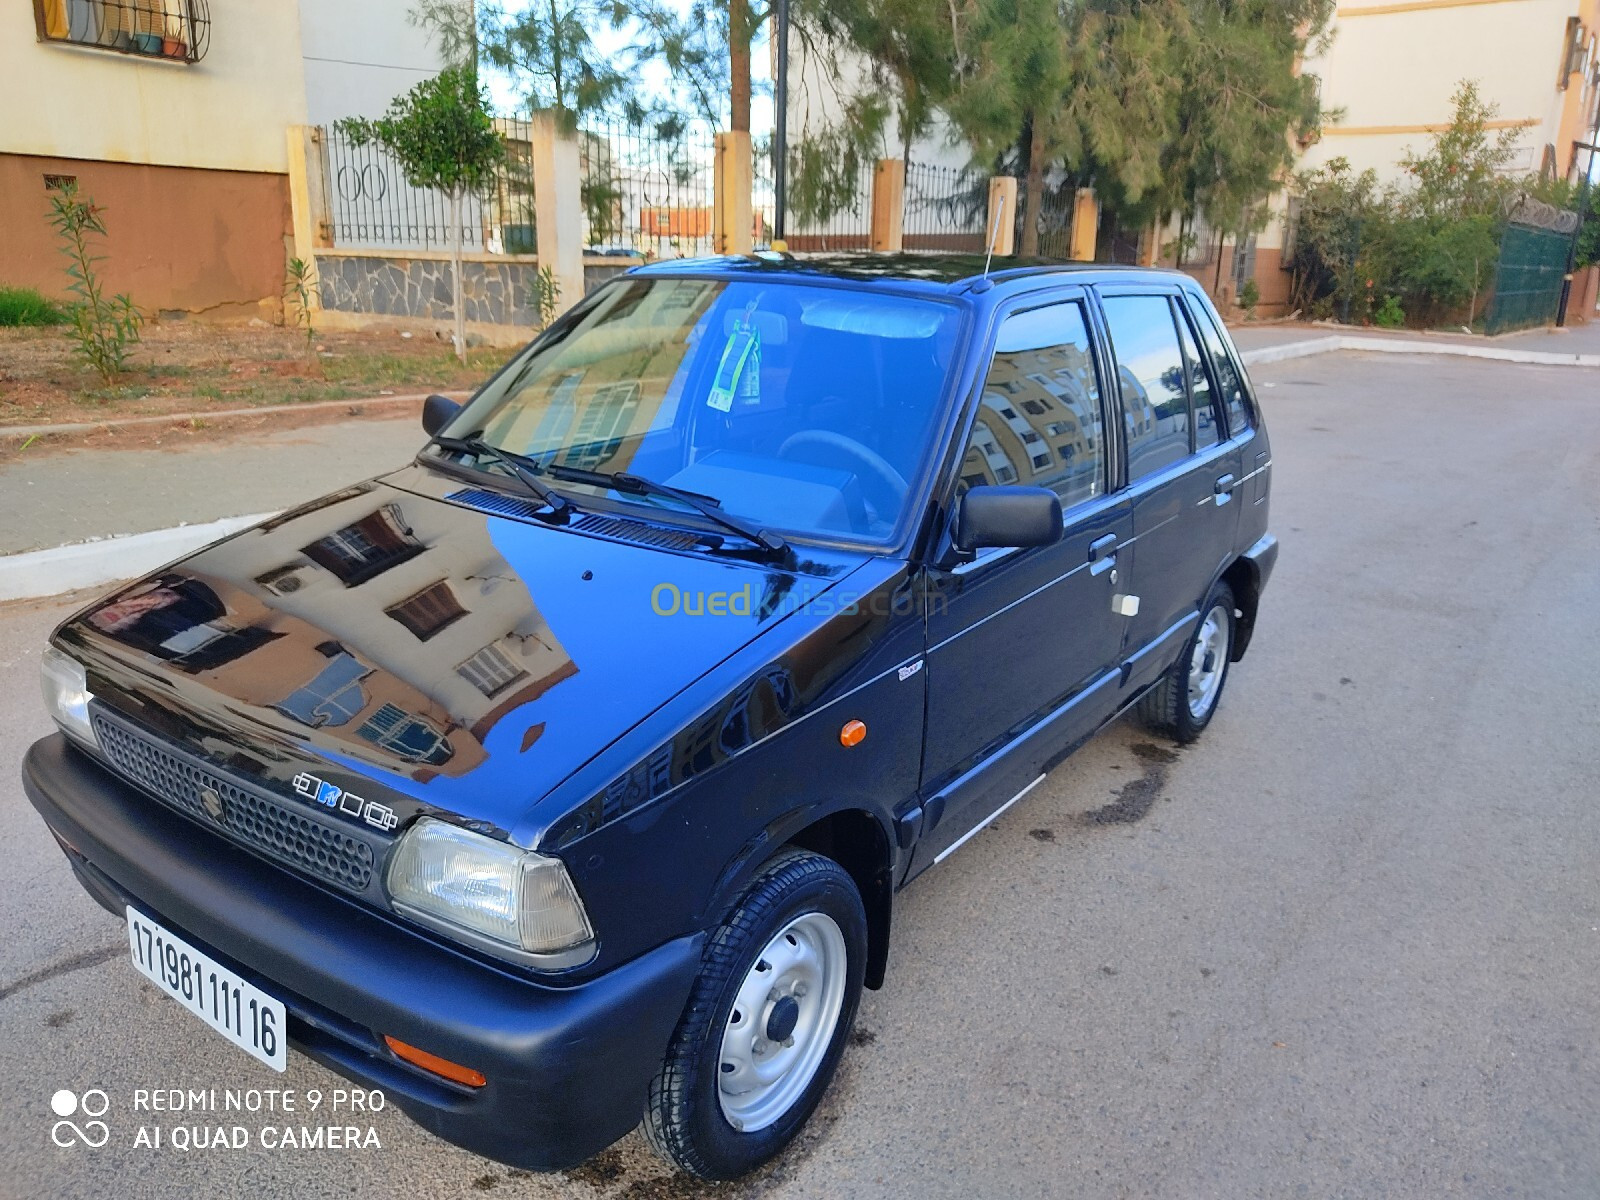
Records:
x=1431, y=244
x=1389, y=315
x=24, y=306
x=1249, y=295
x=104, y=328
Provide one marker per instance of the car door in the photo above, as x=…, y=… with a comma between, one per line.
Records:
x=1182, y=473
x=1022, y=641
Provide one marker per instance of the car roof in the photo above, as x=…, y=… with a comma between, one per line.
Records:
x=942, y=273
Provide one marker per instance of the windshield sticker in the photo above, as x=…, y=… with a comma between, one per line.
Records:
x=739, y=372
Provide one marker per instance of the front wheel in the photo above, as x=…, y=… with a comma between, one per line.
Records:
x=766, y=1023
x=1183, y=703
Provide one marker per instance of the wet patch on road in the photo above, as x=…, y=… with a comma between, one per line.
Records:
x=1136, y=798
x=1042, y=835
x=602, y=1170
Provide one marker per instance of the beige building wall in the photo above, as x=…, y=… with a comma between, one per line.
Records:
x=1392, y=67
x=226, y=112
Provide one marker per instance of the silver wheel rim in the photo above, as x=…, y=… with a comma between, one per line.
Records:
x=1207, y=662
x=796, y=985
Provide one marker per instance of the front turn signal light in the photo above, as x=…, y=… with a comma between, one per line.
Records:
x=432, y=1063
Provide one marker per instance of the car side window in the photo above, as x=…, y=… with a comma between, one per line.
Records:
x=1228, y=381
x=1038, y=419
x=1204, y=421
x=1150, y=372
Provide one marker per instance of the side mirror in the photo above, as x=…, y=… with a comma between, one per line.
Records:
x=1007, y=516
x=437, y=412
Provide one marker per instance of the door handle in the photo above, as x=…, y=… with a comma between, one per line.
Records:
x=1223, y=488
x=1102, y=553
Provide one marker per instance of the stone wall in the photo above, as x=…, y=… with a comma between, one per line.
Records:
x=494, y=293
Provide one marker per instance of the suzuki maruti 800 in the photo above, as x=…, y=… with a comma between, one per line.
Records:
x=562, y=780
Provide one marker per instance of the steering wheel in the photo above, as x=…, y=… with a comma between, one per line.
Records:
x=886, y=486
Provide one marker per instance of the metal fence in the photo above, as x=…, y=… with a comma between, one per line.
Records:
x=838, y=216
x=1055, y=222
x=647, y=186
x=946, y=209
x=371, y=205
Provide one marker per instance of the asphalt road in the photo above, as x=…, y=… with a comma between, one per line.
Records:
x=1347, y=945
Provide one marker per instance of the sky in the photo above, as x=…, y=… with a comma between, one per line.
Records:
x=654, y=79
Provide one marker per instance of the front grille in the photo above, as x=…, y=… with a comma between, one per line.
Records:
x=249, y=817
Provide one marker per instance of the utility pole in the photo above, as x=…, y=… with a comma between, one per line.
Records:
x=780, y=121
x=739, y=65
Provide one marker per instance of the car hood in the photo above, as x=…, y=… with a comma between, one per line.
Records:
x=406, y=637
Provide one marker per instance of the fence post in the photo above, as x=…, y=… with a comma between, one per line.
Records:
x=1150, y=244
x=1002, y=209
x=306, y=195
x=1085, y=223
x=888, y=205
x=733, y=220
x=557, y=205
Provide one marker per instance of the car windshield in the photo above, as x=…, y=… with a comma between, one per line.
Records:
x=801, y=408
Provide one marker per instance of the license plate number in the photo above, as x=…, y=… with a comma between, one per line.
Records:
x=235, y=1008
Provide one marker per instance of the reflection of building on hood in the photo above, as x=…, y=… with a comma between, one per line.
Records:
x=181, y=620
x=397, y=640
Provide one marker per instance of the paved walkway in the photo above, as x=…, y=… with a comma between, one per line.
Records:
x=1579, y=339
x=75, y=495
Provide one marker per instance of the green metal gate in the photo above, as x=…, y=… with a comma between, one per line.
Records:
x=1527, y=289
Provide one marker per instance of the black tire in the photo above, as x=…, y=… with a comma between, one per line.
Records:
x=1165, y=708
x=684, y=1121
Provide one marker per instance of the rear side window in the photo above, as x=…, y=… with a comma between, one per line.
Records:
x=1228, y=381
x=1150, y=374
x=1207, y=424
x=1038, y=419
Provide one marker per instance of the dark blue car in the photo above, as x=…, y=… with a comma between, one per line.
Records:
x=563, y=778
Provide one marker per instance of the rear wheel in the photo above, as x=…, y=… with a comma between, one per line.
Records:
x=766, y=1023
x=1183, y=703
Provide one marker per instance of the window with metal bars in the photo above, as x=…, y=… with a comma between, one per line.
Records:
x=175, y=30
x=491, y=670
x=428, y=611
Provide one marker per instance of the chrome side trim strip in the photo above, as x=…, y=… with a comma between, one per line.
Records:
x=973, y=832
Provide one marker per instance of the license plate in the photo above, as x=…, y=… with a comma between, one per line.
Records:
x=238, y=1010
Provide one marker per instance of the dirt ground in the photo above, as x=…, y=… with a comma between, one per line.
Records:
x=192, y=367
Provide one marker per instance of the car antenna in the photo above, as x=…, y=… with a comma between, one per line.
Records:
x=1000, y=211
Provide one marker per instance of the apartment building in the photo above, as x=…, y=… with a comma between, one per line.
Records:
x=173, y=116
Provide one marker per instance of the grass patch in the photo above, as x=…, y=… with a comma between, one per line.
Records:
x=25, y=306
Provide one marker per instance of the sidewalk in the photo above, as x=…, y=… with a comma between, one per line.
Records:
x=1578, y=339
x=78, y=495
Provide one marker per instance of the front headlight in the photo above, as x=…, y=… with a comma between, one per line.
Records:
x=66, y=694
x=441, y=873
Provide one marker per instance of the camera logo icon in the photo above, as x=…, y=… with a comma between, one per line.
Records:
x=67, y=1104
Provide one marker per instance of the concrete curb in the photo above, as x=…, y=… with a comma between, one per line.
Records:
x=1349, y=341
x=91, y=564
x=26, y=431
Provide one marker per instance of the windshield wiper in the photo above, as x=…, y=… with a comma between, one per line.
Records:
x=707, y=506
x=524, y=470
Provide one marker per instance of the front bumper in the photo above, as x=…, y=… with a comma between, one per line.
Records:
x=567, y=1067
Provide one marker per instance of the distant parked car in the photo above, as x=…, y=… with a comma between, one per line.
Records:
x=562, y=779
